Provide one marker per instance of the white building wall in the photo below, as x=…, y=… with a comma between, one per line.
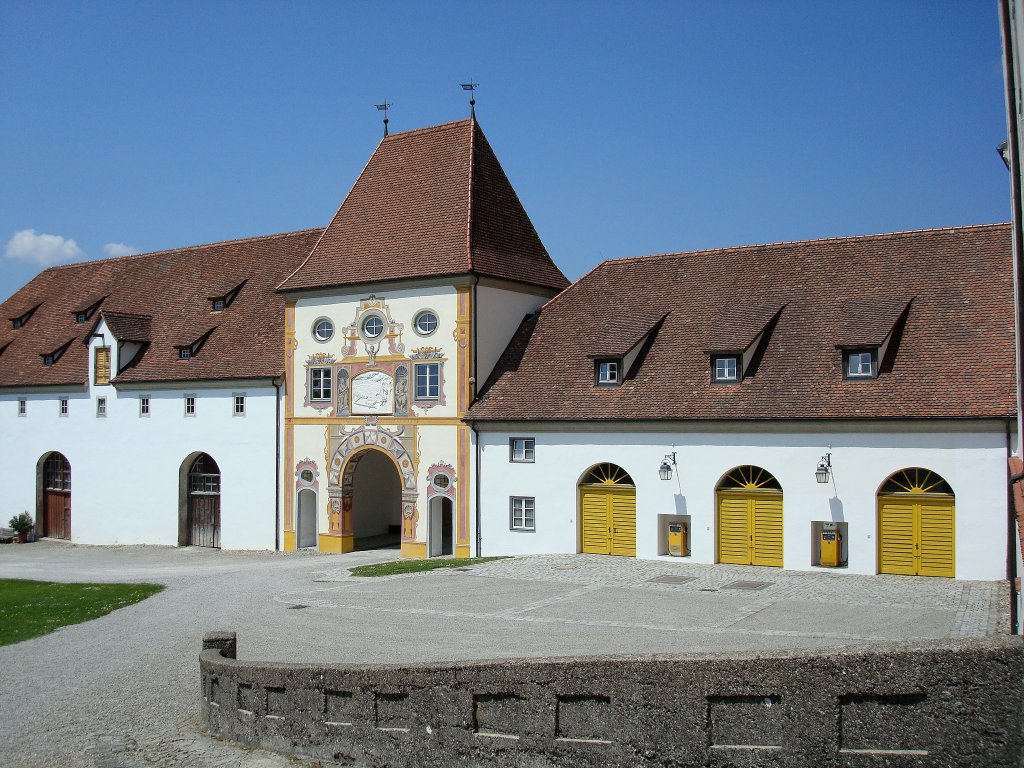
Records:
x=974, y=464
x=125, y=467
x=499, y=313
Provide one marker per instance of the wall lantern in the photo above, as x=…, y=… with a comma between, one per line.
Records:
x=665, y=470
x=824, y=468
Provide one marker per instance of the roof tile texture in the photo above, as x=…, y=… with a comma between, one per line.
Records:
x=954, y=357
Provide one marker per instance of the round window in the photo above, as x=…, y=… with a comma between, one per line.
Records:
x=373, y=326
x=441, y=482
x=323, y=329
x=306, y=476
x=425, y=322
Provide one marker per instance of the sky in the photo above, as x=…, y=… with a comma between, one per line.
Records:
x=626, y=128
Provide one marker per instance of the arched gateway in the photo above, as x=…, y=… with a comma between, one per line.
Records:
x=607, y=511
x=916, y=524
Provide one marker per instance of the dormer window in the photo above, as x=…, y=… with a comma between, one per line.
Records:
x=218, y=305
x=725, y=369
x=85, y=314
x=184, y=353
x=223, y=301
x=188, y=351
x=21, y=320
x=50, y=358
x=608, y=373
x=861, y=364
x=81, y=317
x=16, y=323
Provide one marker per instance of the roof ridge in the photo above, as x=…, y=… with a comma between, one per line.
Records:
x=470, y=186
x=779, y=243
x=428, y=129
x=111, y=260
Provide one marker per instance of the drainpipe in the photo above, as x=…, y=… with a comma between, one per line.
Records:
x=472, y=425
x=1011, y=538
x=277, y=469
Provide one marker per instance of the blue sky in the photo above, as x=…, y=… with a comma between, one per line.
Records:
x=626, y=128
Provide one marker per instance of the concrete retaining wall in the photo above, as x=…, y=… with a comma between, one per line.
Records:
x=901, y=705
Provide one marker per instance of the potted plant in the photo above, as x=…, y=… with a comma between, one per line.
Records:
x=21, y=525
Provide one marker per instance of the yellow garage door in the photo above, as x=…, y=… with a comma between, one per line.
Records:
x=608, y=511
x=916, y=536
x=596, y=528
x=750, y=528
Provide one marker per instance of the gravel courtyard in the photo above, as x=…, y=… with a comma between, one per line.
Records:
x=123, y=691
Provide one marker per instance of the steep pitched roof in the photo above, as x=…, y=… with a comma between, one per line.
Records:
x=160, y=299
x=954, y=355
x=430, y=202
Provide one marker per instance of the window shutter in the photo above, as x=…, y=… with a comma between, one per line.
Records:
x=103, y=365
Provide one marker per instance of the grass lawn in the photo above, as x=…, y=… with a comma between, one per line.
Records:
x=415, y=566
x=32, y=608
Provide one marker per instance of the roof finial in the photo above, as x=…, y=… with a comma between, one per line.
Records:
x=471, y=87
x=384, y=108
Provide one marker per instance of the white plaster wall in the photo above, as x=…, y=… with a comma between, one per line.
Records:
x=499, y=313
x=974, y=464
x=125, y=467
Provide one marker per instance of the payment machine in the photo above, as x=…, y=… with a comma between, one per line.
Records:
x=831, y=544
x=678, y=540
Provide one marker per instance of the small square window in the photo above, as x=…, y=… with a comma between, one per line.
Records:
x=521, y=513
x=184, y=353
x=190, y=405
x=860, y=364
x=218, y=305
x=63, y=406
x=607, y=372
x=22, y=406
x=320, y=384
x=17, y=323
x=428, y=381
x=727, y=368
x=239, y=408
x=48, y=360
x=81, y=317
x=144, y=405
x=521, y=449
x=101, y=407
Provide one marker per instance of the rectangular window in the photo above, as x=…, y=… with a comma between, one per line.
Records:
x=319, y=383
x=190, y=405
x=520, y=449
x=521, y=513
x=428, y=381
x=218, y=305
x=101, y=407
x=16, y=324
x=860, y=364
x=607, y=372
x=144, y=405
x=727, y=368
x=101, y=373
x=239, y=405
x=184, y=353
x=22, y=406
x=63, y=406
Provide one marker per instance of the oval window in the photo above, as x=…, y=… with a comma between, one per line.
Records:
x=441, y=482
x=373, y=327
x=323, y=329
x=307, y=476
x=425, y=323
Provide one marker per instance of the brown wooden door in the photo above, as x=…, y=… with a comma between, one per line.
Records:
x=57, y=497
x=204, y=520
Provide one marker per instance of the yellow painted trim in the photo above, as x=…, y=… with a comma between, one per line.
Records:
x=289, y=541
x=288, y=467
x=318, y=421
x=463, y=341
x=462, y=551
x=335, y=542
x=414, y=550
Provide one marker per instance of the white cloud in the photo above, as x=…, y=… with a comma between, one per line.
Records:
x=118, y=249
x=44, y=250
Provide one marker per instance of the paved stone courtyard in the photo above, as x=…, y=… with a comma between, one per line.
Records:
x=123, y=691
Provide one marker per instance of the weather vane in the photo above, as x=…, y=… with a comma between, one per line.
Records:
x=384, y=108
x=471, y=87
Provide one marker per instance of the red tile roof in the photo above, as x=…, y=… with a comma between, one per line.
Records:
x=952, y=357
x=430, y=202
x=160, y=298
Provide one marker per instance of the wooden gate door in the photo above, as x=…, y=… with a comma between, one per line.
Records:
x=204, y=520
x=917, y=525
x=608, y=512
x=750, y=524
x=57, y=497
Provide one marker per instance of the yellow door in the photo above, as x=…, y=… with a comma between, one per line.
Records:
x=750, y=528
x=609, y=521
x=916, y=536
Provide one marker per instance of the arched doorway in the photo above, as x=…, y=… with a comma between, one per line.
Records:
x=376, y=500
x=749, y=512
x=55, y=496
x=916, y=524
x=440, y=534
x=607, y=499
x=306, y=528
x=202, y=509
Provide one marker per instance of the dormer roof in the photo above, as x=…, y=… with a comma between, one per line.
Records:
x=430, y=202
x=954, y=359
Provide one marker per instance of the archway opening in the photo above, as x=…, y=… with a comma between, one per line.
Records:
x=917, y=524
x=306, y=529
x=53, y=496
x=749, y=517
x=440, y=534
x=376, y=501
x=199, y=487
x=607, y=505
